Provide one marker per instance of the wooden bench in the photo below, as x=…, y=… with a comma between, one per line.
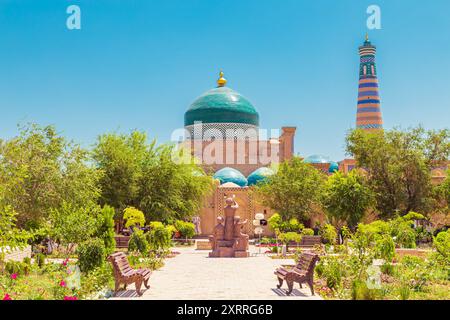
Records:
x=123, y=273
x=122, y=241
x=302, y=272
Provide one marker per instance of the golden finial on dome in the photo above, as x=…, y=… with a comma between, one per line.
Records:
x=367, y=36
x=221, y=82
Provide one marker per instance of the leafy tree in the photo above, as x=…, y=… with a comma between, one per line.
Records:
x=444, y=189
x=347, y=197
x=105, y=230
x=398, y=164
x=293, y=191
x=10, y=236
x=172, y=189
x=121, y=158
x=39, y=170
x=133, y=217
x=328, y=233
x=73, y=225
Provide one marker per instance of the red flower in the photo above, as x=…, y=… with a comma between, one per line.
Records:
x=65, y=262
x=62, y=283
x=7, y=297
x=14, y=276
x=70, y=298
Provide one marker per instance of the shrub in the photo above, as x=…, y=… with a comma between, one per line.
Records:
x=385, y=248
x=329, y=234
x=332, y=270
x=404, y=291
x=290, y=237
x=16, y=267
x=160, y=237
x=138, y=242
x=360, y=291
x=442, y=244
x=106, y=228
x=308, y=232
x=134, y=217
x=40, y=259
x=187, y=229
x=279, y=225
x=91, y=255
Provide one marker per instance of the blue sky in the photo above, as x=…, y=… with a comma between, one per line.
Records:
x=138, y=64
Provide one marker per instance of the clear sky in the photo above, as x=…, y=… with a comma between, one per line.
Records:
x=138, y=64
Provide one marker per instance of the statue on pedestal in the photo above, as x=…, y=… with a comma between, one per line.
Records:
x=227, y=239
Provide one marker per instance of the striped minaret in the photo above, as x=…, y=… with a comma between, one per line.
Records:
x=368, y=116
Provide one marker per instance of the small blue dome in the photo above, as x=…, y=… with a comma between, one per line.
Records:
x=317, y=159
x=258, y=175
x=231, y=175
x=334, y=167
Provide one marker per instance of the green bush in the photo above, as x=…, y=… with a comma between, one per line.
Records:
x=442, y=245
x=332, y=270
x=106, y=228
x=15, y=267
x=290, y=237
x=385, y=248
x=160, y=237
x=360, y=291
x=138, y=242
x=308, y=232
x=91, y=255
x=278, y=224
x=187, y=229
x=40, y=260
x=328, y=234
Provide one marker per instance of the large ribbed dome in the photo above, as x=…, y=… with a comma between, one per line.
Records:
x=221, y=105
x=259, y=175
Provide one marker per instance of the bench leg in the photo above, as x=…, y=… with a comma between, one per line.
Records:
x=146, y=283
x=290, y=285
x=116, y=286
x=138, y=285
x=300, y=285
x=311, y=285
x=280, y=283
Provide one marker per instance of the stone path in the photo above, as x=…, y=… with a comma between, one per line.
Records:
x=191, y=275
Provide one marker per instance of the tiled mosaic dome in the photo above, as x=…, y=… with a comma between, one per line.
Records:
x=258, y=175
x=221, y=105
x=334, y=167
x=231, y=175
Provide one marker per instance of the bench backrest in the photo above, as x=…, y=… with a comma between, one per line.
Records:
x=306, y=263
x=120, y=263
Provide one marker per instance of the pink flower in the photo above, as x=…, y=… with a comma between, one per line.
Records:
x=62, y=283
x=14, y=276
x=65, y=262
x=70, y=298
x=7, y=297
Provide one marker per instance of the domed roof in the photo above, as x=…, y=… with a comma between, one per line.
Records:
x=221, y=105
x=230, y=175
x=258, y=175
x=317, y=159
x=334, y=167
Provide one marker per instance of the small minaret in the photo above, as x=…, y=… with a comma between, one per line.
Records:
x=368, y=116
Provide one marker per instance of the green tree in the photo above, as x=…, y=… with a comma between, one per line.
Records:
x=10, y=236
x=73, y=225
x=347, y=197
x=121, y=158
x=399, y=166
x=39, y=170
x=293, y=191
x=172, y=189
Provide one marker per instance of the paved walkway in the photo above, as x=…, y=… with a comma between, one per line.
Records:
x=192, y=275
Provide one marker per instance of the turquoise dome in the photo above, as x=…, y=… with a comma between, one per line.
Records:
x=317, y=159
x=230, y=175
x=258, y=175
x=221, y=105
x=334, y=167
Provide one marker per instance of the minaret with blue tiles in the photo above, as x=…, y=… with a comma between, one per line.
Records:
x=369, y=112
